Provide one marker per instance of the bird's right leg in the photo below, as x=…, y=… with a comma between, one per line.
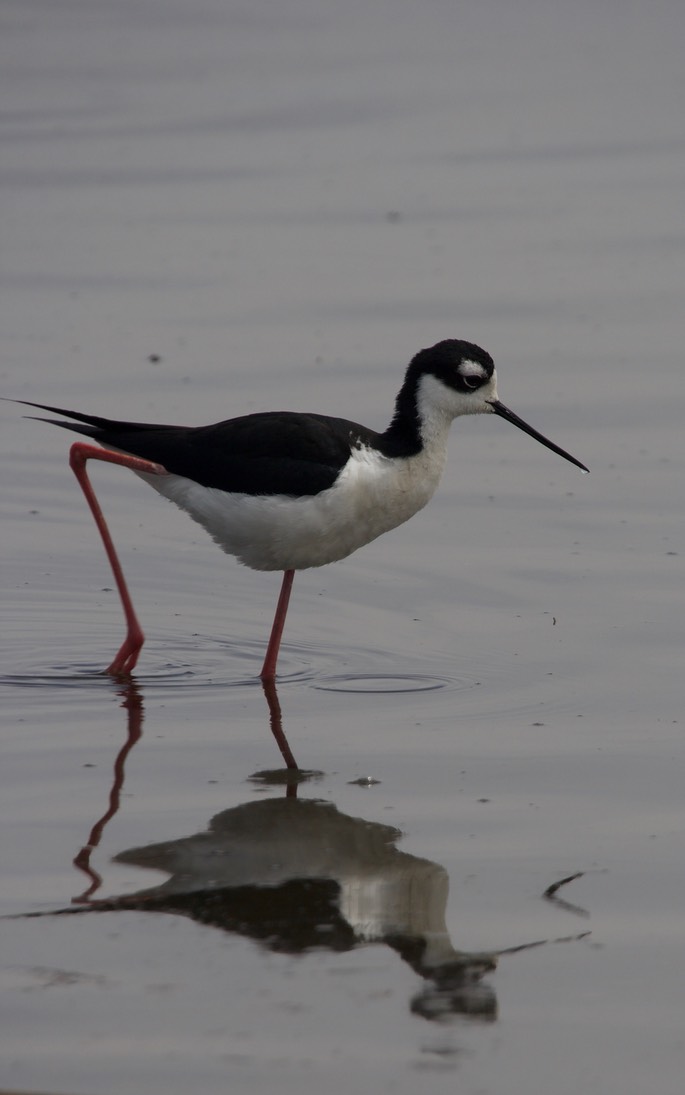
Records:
x=268, y=672
x=80, y=453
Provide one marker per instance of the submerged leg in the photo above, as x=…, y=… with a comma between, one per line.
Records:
x=276, y=723
x=80, y=453
x=268, y=672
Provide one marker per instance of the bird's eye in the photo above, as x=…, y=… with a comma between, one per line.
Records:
x=472, y=382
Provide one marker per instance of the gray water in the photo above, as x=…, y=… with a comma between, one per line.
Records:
x=212, y=208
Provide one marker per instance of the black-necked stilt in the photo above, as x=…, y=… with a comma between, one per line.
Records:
x=283, y=490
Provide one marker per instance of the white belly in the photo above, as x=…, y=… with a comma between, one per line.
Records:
x=276, y=532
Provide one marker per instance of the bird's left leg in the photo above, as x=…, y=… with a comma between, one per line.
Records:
x=80, y=453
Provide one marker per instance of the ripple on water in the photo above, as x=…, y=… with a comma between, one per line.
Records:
x=376, y=683
x=187, y=661
x=177, y=660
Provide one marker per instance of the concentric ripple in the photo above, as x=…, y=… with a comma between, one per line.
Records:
x=195, y=663
x=376, y=683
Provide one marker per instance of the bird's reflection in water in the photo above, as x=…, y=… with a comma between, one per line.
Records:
x=276, y=724
x=297, y=875
x=132, y=703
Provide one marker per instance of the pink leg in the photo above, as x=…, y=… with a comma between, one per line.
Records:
x=80, y=453
x=268, y=672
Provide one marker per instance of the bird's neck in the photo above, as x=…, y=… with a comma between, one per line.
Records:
x=421, y=422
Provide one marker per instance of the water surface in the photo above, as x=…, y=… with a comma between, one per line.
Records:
x=211, y=209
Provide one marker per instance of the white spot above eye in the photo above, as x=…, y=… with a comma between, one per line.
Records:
x=472, y=368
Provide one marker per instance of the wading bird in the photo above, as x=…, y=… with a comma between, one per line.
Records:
x=287, y=490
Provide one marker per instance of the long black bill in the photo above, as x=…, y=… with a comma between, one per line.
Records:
x=504, y=412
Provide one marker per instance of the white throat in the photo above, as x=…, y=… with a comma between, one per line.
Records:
x=439, y=405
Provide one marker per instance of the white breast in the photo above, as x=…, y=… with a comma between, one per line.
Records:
x=372, y=495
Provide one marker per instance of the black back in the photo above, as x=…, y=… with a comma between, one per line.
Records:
x=281, y=452
x=274, y=452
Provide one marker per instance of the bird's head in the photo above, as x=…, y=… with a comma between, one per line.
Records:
x=455, y=378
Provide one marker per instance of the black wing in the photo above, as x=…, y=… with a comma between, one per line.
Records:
x=274, y=452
